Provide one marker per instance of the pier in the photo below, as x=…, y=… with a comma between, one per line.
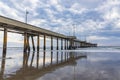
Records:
x=30, y=31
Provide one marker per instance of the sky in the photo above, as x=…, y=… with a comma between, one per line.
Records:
x=97, y=21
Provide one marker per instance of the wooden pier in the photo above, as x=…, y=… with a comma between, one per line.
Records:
x=30, y=31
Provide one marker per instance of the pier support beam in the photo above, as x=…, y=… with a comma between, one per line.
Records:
x=33, y=43
x=4, y=53
x=70, y=44
x=73, y=44
x=61, y=44
x=51, y=43
x=5, y=41
x=44, y=46
x=57, y=43
x=38, y=43
x=79, y=44
x=65, y=44
x=33, y=54
x=28, y=45
x=25, y=42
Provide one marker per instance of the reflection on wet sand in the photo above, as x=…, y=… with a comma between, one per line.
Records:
x=2, y=66
x=31, y=72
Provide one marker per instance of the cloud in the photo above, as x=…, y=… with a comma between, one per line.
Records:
x=89, y=17
x=117, y=24
x=38, y=22
x=97, y=38
x=5, y=10
x=110, y=10
x=76, y=8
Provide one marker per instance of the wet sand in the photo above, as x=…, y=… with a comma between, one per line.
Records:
x=60, y=65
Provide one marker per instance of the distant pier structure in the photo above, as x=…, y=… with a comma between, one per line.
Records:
x=75, y=43
x=27, y=30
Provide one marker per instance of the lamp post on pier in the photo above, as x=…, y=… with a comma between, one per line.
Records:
x=26, y=14
x=74, y=29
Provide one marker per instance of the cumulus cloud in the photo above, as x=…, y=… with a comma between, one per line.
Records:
x=76, y=8
x=89, y=17
x=6, y=10
x=97, y=38
x=117, y=24
x=110, y=10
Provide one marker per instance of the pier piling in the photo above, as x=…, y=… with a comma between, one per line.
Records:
x=25, y=42
x=57, y=43
x=51, y=43
x=38, y=43
x=5, y=41
x=28, y=45
x=65, y=44
x=44, y=46
x=33, y=43
x=61, y=44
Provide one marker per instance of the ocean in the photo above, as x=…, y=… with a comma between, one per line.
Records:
x=98, y=63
